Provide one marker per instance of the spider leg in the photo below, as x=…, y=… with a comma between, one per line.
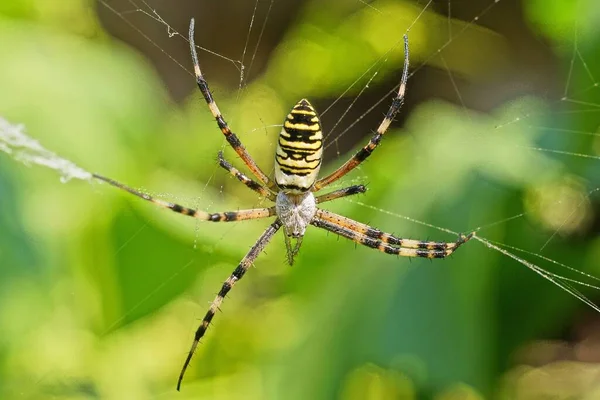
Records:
x=441, y=250
x=292, y=251
x=237, y=274
x=387, y=238
x=366, y=151
x=349, y=191
x=229, y=216
x=231, y=137
x=251, y=184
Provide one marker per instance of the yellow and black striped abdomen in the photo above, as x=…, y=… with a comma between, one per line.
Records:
x=299, y=149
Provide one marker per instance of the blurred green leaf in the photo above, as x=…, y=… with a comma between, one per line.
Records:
x=101, y=292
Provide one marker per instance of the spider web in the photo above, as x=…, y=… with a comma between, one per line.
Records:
x=514, y=133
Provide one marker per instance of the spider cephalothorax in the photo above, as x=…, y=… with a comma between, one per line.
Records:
x=297, y=163
x=295, y=211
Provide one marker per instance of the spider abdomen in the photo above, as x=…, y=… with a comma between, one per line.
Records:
x=299, y=149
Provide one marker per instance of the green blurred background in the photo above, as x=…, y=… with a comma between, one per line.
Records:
x=100, y=292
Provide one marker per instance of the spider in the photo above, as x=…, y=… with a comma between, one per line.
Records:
x=298, y=159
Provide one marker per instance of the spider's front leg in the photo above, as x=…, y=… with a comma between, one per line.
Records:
x=385, y=242
x=236, y=275
x=229, y=216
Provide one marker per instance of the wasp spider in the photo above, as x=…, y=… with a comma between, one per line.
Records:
x=297, y=162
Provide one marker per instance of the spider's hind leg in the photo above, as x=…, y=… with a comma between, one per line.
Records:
x=231, y=137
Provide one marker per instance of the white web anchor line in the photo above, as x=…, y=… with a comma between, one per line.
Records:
x=15, y=142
